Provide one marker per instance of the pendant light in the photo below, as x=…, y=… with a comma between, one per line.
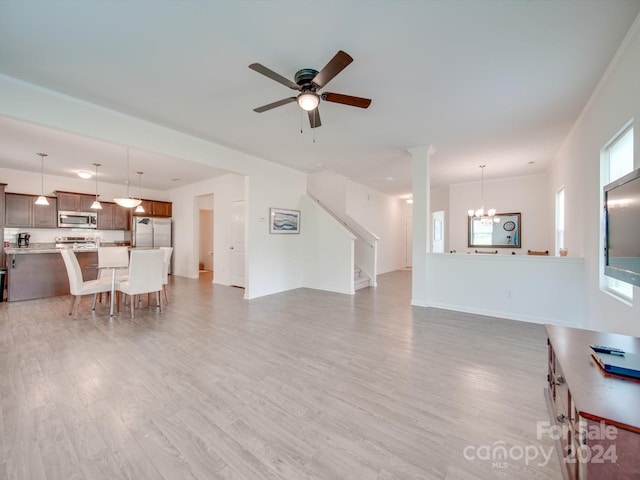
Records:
x=96, y=204
x=128, y=201
x=140, y=208
x=42, y=200
x=487, y=217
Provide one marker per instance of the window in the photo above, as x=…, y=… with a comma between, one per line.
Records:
x=560, y=220
x=617, y=161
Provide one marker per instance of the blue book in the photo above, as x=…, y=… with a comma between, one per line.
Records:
x=627, y=364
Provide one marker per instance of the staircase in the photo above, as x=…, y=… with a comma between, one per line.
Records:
x=359, y=279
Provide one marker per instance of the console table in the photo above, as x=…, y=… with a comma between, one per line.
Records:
x=595, y=417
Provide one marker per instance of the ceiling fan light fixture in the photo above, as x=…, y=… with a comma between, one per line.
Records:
x=41, y=200
x=308, y=101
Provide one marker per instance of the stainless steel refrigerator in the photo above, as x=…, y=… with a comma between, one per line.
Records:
x=150, y=232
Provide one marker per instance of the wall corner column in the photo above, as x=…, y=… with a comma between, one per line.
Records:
x=421, y=159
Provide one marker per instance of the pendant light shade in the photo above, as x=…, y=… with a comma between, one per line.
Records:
x=140, y=208
x=96, y=204
x=128, y=201
x=42, y=200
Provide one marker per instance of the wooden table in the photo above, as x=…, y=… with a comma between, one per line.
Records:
x=597, y=413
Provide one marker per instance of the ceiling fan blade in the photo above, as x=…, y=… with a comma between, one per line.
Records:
x=346, y=99
x=279, y=103
x=331, y=69
x=314, y=118
x=273, y=75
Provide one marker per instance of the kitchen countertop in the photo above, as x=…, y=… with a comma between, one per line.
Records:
x=51, y=249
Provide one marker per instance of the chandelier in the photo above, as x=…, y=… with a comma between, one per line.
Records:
x=486, y=217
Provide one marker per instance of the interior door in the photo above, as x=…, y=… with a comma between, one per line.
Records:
x=237, y=244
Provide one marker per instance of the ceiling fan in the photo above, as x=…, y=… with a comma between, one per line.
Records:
x=308, y=81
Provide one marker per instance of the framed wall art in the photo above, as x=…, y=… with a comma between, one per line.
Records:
x=285, y=221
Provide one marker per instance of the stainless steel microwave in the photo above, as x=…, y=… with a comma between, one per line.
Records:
x=77, y=220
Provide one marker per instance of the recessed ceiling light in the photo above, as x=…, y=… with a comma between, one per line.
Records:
x=85, y=175
x=390, y=179
x=409, y=201
x=319, y=165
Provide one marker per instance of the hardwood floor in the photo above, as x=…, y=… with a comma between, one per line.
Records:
x=300, y=385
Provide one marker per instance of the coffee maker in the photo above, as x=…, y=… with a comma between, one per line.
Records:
x=23, y=239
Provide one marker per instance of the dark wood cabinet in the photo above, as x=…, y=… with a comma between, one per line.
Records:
x=162, y=209
x=21, y=211
x=75, y=202
x=113, y=217
x=2, y=211
x=121, y=218
x=594, y=415
x=155, y=208
x=41, y=275
x=105, y=216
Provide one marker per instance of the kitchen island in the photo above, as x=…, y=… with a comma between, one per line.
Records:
x=39, y=272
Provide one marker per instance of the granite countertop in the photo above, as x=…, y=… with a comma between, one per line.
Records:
x=51, y=248
x=33, y=250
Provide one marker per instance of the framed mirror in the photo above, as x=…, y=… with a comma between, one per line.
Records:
x=505, y=231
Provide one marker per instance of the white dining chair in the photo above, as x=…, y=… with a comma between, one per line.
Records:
x=113, y=263
x=145, y=276
x=167, y=251
x=77, y=285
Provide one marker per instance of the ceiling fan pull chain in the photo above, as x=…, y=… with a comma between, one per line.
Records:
x=300, y=122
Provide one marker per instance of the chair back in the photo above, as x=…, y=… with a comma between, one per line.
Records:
x=73, y=270
x=145, y=271
x=113, y=257
x=167, y=251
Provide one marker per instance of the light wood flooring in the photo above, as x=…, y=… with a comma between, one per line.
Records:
x=301, y=385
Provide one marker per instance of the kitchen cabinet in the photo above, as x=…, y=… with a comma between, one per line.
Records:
x=75, y=202
x=113, y=217
x=41, y=275
x=21, y=211
x=155, y=208
x=2, y=213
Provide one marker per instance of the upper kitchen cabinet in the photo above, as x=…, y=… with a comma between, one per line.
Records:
x=153, y=208
x=74, y=202
x=21, y=211
x=2, y=186
x=113, y=217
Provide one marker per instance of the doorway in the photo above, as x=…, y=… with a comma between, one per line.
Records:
x=205, y=237
x=437, y=233
x=408, y=243
x=237, y=244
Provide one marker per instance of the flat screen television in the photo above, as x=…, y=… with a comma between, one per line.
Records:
x=622, y=228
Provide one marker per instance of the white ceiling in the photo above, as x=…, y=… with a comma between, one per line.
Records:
x=486, y=82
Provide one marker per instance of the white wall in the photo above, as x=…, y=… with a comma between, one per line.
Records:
x=530, y=288
x=527, y=195
x=577, y=168
x=384, y=217
x=273, y=263
x=186, y=203
x=330, y=188
x=381, y=214
x=440, y=201
x=328, y=250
